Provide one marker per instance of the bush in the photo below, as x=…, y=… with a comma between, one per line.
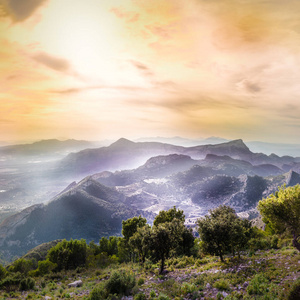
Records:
x=259, y=244
x=3, y=272
x=98, y=293
x=222, y=285
x=141, y=281
x=163, y=297
x=274, y=242
x=140, y=296
x=27, y=284
x=120, y=282
x=258, y=285
x=152, y=294
x=10, y=283
x=294, y=292
x=68, y=255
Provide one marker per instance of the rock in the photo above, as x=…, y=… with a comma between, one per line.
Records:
x=75, y=283
x=225, y=294
x=47, y=298
x=208, y=286
x=246, y=283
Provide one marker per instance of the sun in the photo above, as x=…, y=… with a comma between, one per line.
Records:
x=83, y=33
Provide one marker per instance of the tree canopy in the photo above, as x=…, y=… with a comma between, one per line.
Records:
x=169, y=215
x=223, y=231
x=281, y=210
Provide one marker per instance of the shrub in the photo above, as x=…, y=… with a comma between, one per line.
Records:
x=120, y=282
x=188, y=288
x=10, y=283
x=294, y=292
x=21, y=265
x=222, y=285
x=3, y=272
x=274, y=242
x=152, y=294
x=259, y=244
x=98, y=293
x=258, y=285
x=140, y=296
x=163, y=297
x=68, y=255
x=141, y=281
x=27, y=284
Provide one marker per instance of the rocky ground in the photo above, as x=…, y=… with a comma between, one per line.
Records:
x=267, y=274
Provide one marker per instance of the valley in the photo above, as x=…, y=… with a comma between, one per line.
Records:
x=45, y=196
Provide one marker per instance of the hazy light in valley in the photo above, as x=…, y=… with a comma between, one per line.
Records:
x=104, y=69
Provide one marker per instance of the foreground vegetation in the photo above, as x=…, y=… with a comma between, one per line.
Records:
x=230, y=260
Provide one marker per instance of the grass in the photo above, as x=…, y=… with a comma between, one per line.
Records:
x=267, y=274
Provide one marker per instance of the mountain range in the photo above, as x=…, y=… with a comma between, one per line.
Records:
x=129, y=178
x=125, y=154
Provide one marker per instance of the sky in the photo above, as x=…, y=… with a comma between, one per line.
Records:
x=135, y=68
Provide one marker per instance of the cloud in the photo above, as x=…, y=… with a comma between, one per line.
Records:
x=248, y=86
x=52, y=62
x=20, y=10
x=142, y=68
x=130, y=17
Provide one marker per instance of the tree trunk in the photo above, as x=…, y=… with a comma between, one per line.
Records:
x=295, y=241
x=162, y=264
x=221, y=256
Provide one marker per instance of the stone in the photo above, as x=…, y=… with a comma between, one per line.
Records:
x=75, y=283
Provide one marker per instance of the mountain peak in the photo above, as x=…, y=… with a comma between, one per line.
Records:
x=293, y=178
x=122, y=142
x=238, y=143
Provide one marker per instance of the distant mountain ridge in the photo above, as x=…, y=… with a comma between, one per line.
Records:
x=125, y=154
x=44, y=147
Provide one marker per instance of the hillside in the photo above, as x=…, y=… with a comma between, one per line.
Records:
x=87, y=210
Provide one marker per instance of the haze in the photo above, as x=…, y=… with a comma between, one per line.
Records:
x=104, y=69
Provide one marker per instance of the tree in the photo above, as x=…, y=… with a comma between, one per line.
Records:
x=281, y=210
x=240, y=233
x=129, y=228
x=169, y=215
x=222, y=231
x=68, y=254
x=169, y=236
x=160, y=243
x=139, y=242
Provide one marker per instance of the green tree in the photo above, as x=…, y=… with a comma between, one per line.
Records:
x=160, y=243
x=21, y=265
x=169, y=215
x=169, y=236
x=139, y=242
x=68, y=255
x=222, y=231
x=129, y=228
x=281, y=210
x=240, y=234
x=103, y=245
x=45, y=266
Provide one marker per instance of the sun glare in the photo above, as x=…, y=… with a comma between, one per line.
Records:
x=84, y=36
